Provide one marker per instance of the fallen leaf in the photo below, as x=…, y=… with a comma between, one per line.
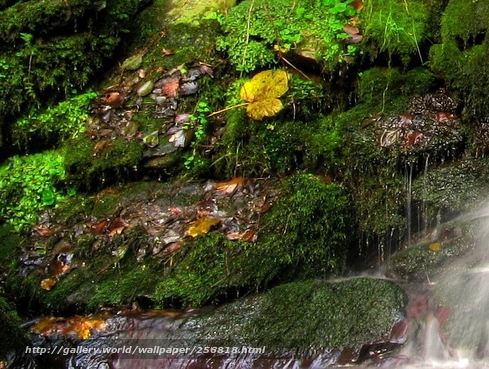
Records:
x=167, y=52
x=48, y=283
x=227, y=188
x=262, y=93
x=205, y=69
x=82, y=327
x=99, y=227
x=357, y=5
x=117, y=226
x=170, y=88
x=247, y=236
x=114, y=99
x=43, y=231
x=202, y=226
x=436, y=246
x=133, y=62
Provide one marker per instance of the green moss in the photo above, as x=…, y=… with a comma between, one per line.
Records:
x=30, y=183
x=463, y=50
x=255, y=29
x=352, y=313
x=9, y=326
x=65, y=120
x=308, y=231
x=286, y=317
x=399, y=28
x=381, y=87
x=50, y=49
x=89, y=166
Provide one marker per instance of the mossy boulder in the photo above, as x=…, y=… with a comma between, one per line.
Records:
x=101, y=250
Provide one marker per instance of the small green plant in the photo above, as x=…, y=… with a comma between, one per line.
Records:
x=65, y=120
x=28, y=184
x=259, y=32
x=198, y=122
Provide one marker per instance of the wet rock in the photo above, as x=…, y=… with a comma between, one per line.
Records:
x=279, y=328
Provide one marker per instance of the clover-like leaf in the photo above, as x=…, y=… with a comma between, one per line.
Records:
x=262, y=93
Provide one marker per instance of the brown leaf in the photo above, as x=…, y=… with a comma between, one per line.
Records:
x=167, y=52
x=247, y=236
x=351, y=30
x=43, y=231
x=202, y=226
x=357, y=4
x=99, y=227
x=170, y=88
x=227, y=188
x=114, y=99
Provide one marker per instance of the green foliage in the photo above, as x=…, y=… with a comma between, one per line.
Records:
x=29, y=184
x=397, y=27
x=9, y=326
x=64, y=120
x=307, y=232
x=256, y=29
x=198, y=123
x=50, y=49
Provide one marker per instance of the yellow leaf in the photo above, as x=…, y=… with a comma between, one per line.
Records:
x=262, y=93
x=264, y=108
x=202, y=226
x=48, y=283
x=435, y=246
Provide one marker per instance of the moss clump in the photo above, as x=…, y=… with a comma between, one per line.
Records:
x=50, y=49
x=463, y=50
x=353, y=312
x=204, y=269
x=285, y=318
x=9, y=326
x=62, y=121
x=255, y=30
x=92, y=165
x=307, y=232
x=399, y=28
x=30, y=183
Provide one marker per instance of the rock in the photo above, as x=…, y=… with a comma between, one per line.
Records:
x=145, y=88
x=133, y=62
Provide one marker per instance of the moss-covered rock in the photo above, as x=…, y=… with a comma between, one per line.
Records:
x=51, y=49
x=309, y=316
x=15, y=340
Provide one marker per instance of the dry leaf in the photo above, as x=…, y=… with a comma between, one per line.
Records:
x=202, y=226
x=48, y=283
x=262, y=93
x=43, y=231
x=170, y=88
x=227, y=188
x=79, y=326
x=167, y=52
